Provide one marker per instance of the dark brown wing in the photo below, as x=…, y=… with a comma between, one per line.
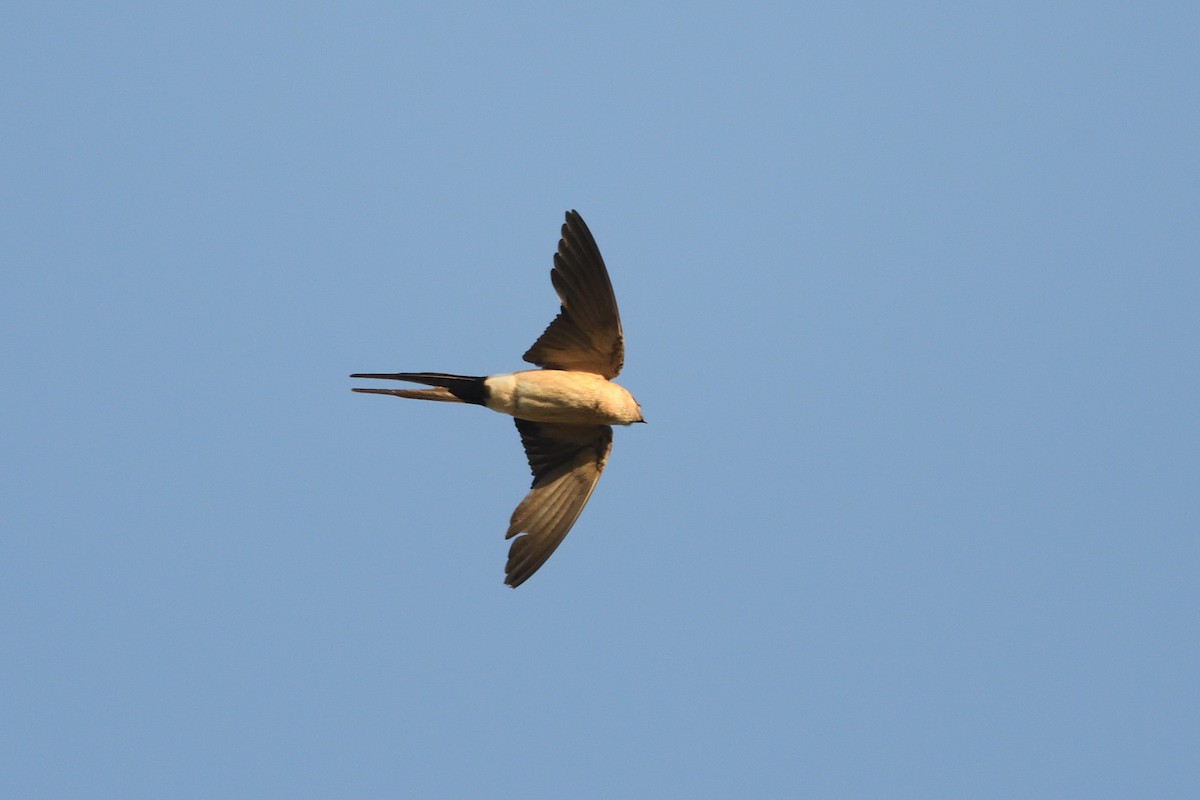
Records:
x=586, y=335
x=566, y=461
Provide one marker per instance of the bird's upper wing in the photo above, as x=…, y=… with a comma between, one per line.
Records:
x=586, y=334
x=566, y=461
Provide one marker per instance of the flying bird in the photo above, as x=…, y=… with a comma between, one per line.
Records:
x=564, y=411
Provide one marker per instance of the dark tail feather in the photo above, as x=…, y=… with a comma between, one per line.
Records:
x=451, y=388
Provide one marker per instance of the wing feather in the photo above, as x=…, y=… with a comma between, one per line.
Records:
x=586, y=334
x=566, y=461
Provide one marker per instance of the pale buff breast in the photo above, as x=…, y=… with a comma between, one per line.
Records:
x=564, y=396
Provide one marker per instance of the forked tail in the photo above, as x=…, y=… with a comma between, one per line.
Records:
x=448, y=388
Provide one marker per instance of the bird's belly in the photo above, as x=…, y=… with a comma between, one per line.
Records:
x=562, y=396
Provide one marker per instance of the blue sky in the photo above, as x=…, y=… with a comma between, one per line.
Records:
x=910, y=302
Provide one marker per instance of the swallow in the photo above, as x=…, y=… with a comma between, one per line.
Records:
x=564, y=411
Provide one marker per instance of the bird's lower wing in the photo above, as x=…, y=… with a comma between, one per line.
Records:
x=566, y=461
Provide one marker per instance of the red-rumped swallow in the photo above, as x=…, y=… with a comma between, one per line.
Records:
x=564, y=411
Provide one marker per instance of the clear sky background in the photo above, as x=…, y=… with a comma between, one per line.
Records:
x=910, y=302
